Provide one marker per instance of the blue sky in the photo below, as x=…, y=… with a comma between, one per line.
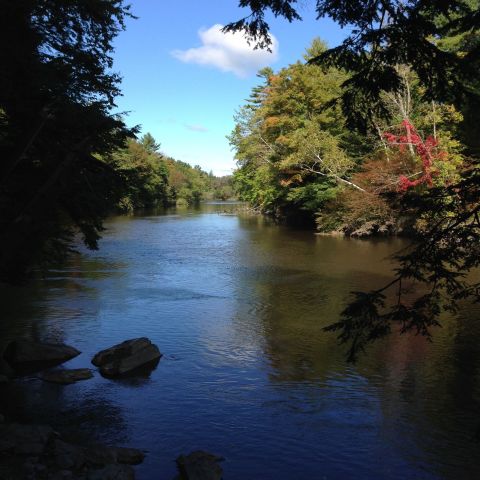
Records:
x=183, y=81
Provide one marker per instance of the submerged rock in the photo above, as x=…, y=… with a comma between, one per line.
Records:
x=25, y=355
x=63, y=475
x=5, y=369
x=66, y=456
x=102, y=455
x=112, y=472
x=199, y=465
x=66, y=377
x=129, y=456
x=28, y=440
x=126, y=357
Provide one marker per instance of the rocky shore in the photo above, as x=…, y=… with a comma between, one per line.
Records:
x=34, y=452
x=38, y=452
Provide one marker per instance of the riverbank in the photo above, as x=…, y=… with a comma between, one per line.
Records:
x=391, y=227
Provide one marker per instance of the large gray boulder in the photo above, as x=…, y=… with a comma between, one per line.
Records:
x=199, y=465
x=33, y=356
x=126, y=357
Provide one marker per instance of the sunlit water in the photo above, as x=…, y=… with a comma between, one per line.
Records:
x=237, y=306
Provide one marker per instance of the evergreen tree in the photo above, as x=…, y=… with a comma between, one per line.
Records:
x=57, y=92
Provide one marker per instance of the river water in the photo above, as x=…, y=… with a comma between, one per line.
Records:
x=237, y=305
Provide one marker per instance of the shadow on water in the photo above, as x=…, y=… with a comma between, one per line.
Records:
x=79, y=414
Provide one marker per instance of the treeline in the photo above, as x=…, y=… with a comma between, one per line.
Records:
x=149, y=178
x=299, y=161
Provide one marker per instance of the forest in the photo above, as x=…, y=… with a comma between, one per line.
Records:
x=151, y=179
x=300, y=162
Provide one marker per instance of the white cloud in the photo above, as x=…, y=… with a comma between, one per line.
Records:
x=196, y=128
x=229, y=52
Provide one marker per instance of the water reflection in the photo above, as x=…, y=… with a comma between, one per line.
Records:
x=237, y=306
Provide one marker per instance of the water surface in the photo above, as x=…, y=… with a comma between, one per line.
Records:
x=237, y=306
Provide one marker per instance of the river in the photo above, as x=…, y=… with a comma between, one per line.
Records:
x=237, y=305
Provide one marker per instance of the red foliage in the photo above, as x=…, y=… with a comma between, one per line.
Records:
x=426, y=150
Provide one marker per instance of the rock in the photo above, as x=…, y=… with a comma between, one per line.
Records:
x=5, y=369
x=37, y=452
x=127, y=356
x=28, y=440
x=112, y=472
x=386, y=229
x=129, y=456
x=66, y=456
x=199, y=465
x=102, y=455
x=6, y=444
x=62, y=475
x=29, y=465
x=25, y=355
x=66, y=377
x=366, y=230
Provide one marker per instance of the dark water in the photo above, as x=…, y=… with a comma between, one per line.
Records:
x=237, y=306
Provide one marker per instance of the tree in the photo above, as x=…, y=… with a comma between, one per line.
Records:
x=143, y=172
x=386, y=34
x=291, y=144
x=187, y=184
x=149, y=143
x=57, y=92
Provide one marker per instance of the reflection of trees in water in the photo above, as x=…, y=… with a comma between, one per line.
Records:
x=428, y=394
x=41, y=309
x=288, y=288
x=434, y=392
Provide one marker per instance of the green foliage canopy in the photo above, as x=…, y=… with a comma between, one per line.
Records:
x=287, y=139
